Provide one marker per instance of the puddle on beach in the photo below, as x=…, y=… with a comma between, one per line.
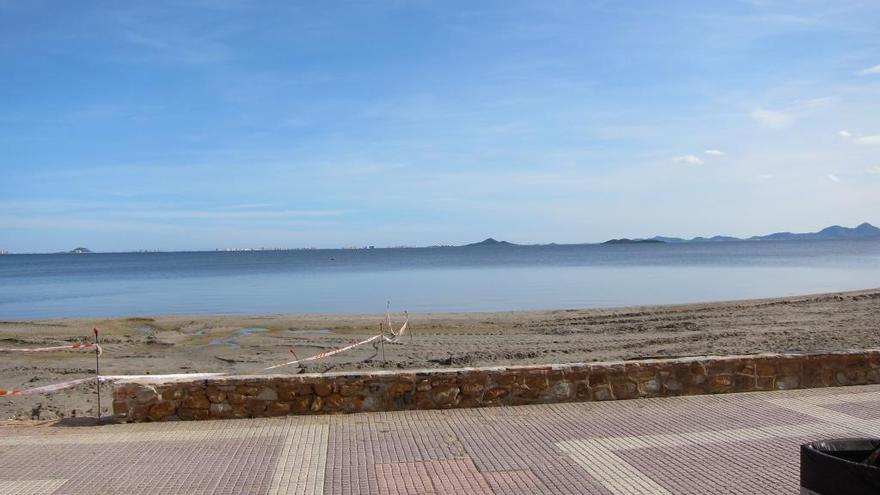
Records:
x=309, y=331
x=244, y=332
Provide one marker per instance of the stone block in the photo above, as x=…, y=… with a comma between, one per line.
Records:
x=788, y=382
x=247, y=390
x=650, y=387
x=322, y=388
x=744, y=383
x=351, y=388
x=765, y=383
x=603, y=393
x=445, y=395
x=471, y=388
x=333, y=402
x=624, y=389
x=120, y=407
x=268, y=394
x=495, y=393
x=196, y=400
x=215, y=395
x=255, y=407
x=278, y=409
x=301, y=404
x=535, y=381
x=719, y=384
x=172, y=393
x=161, y=409
x=192, y=414
x=561, y=391
x=220, y=410
x=146, y=395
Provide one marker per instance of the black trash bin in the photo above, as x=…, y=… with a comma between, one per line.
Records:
x=837, y=467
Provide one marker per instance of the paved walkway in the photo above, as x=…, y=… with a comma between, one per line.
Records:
x=738, y=443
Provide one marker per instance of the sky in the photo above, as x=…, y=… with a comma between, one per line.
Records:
x=231, y=124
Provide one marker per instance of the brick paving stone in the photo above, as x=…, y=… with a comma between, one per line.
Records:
x=863, y=410
x=734, y=443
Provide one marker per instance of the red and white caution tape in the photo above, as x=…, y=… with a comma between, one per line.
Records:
x=47, y=388
x=55, y=387
x=325, y=354
x=88, y=346
x=397, y=335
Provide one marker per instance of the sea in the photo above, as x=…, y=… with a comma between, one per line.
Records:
x=436, y=279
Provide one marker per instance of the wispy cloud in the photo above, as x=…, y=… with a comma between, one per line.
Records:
x=870, y=71
x=785, y=115
x=689, y=159
x=844, y=133
x=772, y=119
x=833, y=178
x=871, y=139
x=766, y=176
x=714, y=152
x=875, y=170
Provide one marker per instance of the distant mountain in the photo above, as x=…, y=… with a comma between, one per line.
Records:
x=490, y=242
x=634, y=241
x=667, y=239
x=80, y=250
x=863, y=231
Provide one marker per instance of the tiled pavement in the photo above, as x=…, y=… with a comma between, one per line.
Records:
x=738, y=443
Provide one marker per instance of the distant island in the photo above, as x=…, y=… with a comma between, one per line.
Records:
x=863, y=231
x=633, y=241
x=834, y=232
x=490, y=242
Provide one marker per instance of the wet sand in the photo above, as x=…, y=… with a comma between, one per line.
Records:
x=247, y=344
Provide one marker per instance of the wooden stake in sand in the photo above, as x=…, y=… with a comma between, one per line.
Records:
x=97, y=372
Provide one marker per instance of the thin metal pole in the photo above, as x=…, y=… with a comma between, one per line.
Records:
x=98, y=372
x=382, y=330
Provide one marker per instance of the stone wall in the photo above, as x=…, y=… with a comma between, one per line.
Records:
x=158, y=399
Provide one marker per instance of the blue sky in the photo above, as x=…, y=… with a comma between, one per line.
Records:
x=195, y=125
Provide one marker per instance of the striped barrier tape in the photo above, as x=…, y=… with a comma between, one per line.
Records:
x=55, y=387
x=87, y=346
x=397, y=335
x=325, y=354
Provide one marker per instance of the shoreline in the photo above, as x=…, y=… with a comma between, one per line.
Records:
x=245, y=344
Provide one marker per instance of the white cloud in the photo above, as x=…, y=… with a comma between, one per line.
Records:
x=844, y=133
x=714, y=152
x=689, y=159
x=870, y=71
x=833, y=178
x=875, y=170
x=771, y=119
x=874, y=139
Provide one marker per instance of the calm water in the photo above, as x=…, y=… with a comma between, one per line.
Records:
x=427, y=279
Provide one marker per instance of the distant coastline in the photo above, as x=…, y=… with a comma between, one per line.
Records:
x=834, y=232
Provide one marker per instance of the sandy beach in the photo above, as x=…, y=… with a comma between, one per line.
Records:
x=248, y=344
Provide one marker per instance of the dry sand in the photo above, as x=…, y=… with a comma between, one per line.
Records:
x=184, y=344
